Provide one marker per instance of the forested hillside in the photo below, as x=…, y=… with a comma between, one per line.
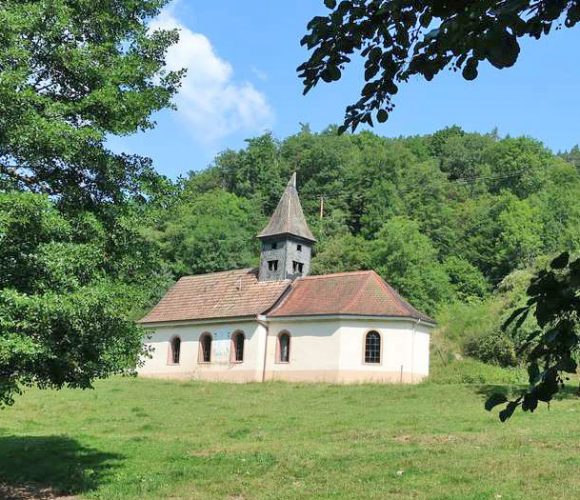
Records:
x=456, y=221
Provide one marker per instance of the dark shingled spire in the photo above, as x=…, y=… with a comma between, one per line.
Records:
x=288, y=217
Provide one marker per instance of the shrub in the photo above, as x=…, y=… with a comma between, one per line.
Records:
x=492, y=348
x=471, y=371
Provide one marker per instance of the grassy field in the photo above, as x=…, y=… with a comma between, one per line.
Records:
x=135, y=438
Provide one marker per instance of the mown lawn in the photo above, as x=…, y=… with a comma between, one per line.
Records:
x=136, y=438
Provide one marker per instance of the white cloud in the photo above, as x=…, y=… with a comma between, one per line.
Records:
x=258, y=73
x=211, y=102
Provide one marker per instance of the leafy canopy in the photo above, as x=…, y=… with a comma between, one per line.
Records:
x=399, y=39
x=74, y=270
x=213, y=231
x=72, y=72
x=67, y=298
x=399, y=206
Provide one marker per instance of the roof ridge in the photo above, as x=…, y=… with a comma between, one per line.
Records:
x=357, y=295
x=213, y=273
x=281, y=299
x=342, y=273
x=406, y=305
x=390, y=289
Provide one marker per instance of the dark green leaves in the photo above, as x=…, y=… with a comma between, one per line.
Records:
x=502, y=49
x=89, y=75
x=69, y=293
x=470, y=69
x=529, y=402
x=382, y=116
x=553, y=296
x=448, y=34
x=74, y=269
x=533, y=373
x=331, y=74
x=516, y=313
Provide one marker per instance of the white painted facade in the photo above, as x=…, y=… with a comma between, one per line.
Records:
x=322, y=349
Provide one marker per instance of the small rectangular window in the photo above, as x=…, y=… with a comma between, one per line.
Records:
x=297, y=267
x=272, y=265
x=299, y=248
x=274, y=246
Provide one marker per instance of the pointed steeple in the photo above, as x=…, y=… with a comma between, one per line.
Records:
x=288, y=217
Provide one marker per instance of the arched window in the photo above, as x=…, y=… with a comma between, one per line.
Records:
x=284, y=348
x=373, y=347
x=205, y=348
x=174, y=350
x=238, y=341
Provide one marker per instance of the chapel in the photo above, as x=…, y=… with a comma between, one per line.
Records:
x=277, y=322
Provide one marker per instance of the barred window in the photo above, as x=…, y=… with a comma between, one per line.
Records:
x=238, y=340
x=205, y=348
x=373, y=348
x=284, y=348
x=175, y=350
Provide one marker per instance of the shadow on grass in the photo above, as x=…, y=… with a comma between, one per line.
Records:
x=47, y=466
x=569, y=391
x=486, y=390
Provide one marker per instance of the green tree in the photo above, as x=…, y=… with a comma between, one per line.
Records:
x=72, y=73
x=213, y=231
x=559, y=209
x=343, y=253
x=254, y=172
x=399, y=39
x=520, y=165
x=75, y=269
x=572, y=156
x=519, y=240
x=462, y=157
x=468, y=281
x=406, y=258
x=68, y=300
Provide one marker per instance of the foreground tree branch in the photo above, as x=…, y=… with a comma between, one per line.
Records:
x=554, y=300
x=399, y=39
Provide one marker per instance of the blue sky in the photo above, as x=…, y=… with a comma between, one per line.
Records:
x=242, y=58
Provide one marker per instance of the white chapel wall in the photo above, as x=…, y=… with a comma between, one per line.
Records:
x=314, y=351
x=404, y=351
x=190, y=367
x=331, y=350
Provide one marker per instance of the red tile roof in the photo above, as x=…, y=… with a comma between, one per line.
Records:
x=217, y=295
x=354, y=293
x=239, y=293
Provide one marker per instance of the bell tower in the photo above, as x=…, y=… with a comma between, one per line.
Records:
x=287, y=240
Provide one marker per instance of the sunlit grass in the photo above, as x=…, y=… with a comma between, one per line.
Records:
x=136, y=438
